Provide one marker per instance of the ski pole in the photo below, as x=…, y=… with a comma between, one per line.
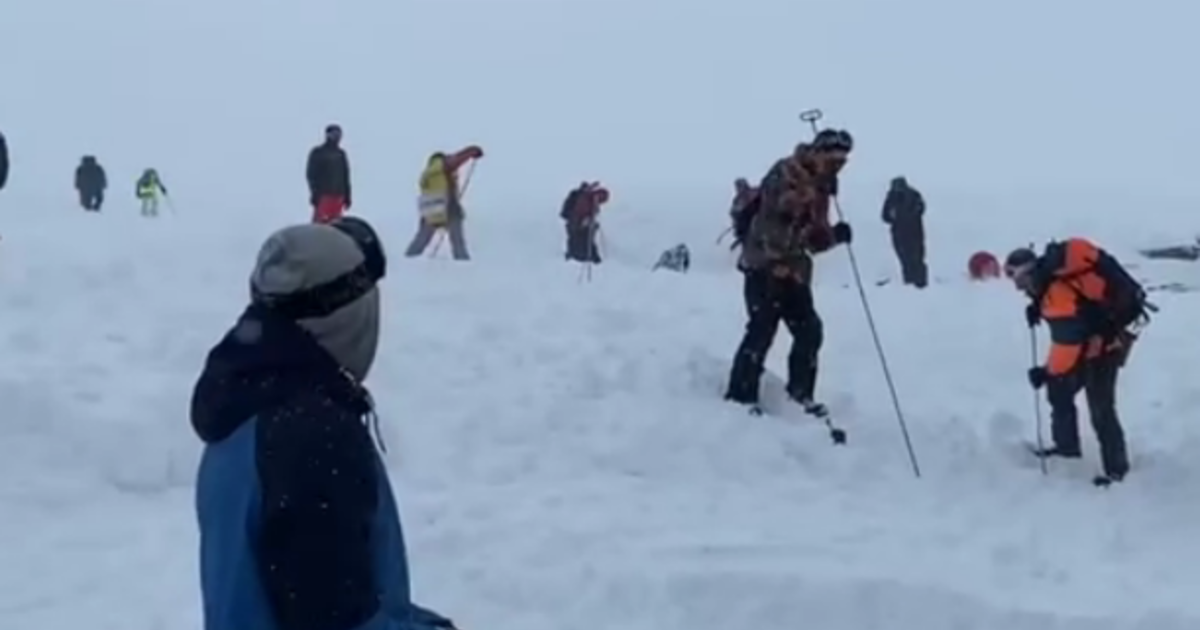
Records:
x=1037, y=401
x=811, y=117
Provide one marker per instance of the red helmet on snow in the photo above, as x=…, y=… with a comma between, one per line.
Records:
x=983, y=266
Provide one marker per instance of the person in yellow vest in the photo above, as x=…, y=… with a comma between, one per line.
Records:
x=440, y=205
x=149, y=185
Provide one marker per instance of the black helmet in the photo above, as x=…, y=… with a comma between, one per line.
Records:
x=1020, y=261
x=833, y=140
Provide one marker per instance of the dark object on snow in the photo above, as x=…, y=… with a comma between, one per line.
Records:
x=298, y=526
x=904, y=211
x=3, y=161
x=1179, y=252
x=676, y=259
x=90, y=182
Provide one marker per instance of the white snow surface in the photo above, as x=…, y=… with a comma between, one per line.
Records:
x=561, y=453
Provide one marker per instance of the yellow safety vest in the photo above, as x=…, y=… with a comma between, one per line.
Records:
x=434, y=202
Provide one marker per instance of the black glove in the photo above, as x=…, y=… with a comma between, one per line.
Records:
x=1038, y=377
x=1033, y=315
x=842, y=233
x=828, y=185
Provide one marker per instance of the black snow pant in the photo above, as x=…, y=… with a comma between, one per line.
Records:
x=91, y=200
x=1098, y=379
x=581, y=242
x=910, y=249
x=770, y=300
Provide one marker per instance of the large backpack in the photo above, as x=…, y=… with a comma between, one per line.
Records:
x=1124, y=304
x=568, y=207
x=743, y=219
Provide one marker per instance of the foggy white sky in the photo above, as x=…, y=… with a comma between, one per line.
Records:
x=653, y=93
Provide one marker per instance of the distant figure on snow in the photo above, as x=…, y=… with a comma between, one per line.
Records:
x=3, y=161
x=90, y=183
x=328, y=173
x=299, y=529
x=904, y=210
x=149, y=186
x=581, y=211
x=677, y=258
x=440, y=202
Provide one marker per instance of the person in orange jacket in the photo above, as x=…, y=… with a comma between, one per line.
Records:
x=1089, y=302
x=441, y=202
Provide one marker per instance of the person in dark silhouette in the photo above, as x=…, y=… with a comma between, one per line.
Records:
x=581, y=211
x=904, y=211
x=90, y=182
x=328, y=174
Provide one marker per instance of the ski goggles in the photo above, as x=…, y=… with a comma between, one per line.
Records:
x=329, y=297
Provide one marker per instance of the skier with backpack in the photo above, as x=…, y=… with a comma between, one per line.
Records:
x=779, y=232
x=580, y=211
x=1091, y=305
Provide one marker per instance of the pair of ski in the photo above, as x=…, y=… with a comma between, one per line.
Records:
x=811, y=409
x=1100, y=481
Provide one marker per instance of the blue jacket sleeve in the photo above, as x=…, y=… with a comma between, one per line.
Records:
x=319, y=482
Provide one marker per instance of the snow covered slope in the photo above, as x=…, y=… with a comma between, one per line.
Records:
x=562, y=455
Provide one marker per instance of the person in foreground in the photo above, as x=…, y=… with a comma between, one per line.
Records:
x=298, y=526
x=1091, y=304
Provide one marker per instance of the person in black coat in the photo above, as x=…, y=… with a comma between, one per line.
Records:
x=299, y=528
x=3, y=162
x=328, y=175
x=904, y=211
x=91, y=182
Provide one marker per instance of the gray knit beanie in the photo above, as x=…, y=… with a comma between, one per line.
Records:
x=300, y=258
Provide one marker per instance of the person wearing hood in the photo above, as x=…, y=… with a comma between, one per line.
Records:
x=3, y=161
x=299, y=529
x=904, y=211
x=440, y=202
x=90, y=183
x=328, y=174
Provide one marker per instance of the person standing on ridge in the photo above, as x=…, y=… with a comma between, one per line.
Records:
x=90, y=182
x=440, y=204
x=299, y=529
x=788, y=225
x=581, y=212
x=1090, y=303
x=904, y=211
x=3, y=161
x=149, y=185
x=328, y=174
